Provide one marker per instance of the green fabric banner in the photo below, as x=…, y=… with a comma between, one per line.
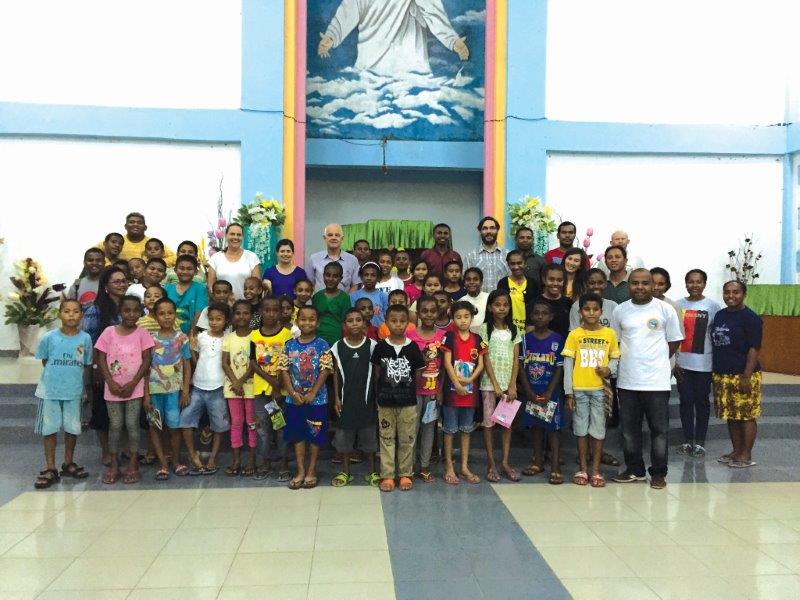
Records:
x=774, y=300
x=382, y=233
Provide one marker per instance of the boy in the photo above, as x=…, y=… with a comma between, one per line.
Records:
x=187, y=247
x=154, y=248
x=443, y=303
x=354, y=398
x=596, y=282
x=189, y=296
x=84, y=290
x=369, y=273
x=135, y=270
x=397, y=362
x=331, y=304
x=395, y=297
x=66, y=355
x=364, y=305
x=305, y=364
x=452, y=280
x=112, y=246
x=221, y=293
x=591, y=354
x=266, y=345
x=154, y=274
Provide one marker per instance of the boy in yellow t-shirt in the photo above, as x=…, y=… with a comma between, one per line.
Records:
x=591, y=354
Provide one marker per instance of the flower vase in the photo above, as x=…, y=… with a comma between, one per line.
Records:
x=261, y=239
x=29, y=338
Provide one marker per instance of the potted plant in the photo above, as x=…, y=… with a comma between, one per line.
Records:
x=261, y=220
x=30, y=306
x=531, y=212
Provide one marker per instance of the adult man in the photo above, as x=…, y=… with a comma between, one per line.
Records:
x=533, y=262
x=332, y=235
x=649, y=334
x=620, y=239
x=565, y=233
x=135, y=240
x=617, y=289
x=441, y=253
x=488, y=257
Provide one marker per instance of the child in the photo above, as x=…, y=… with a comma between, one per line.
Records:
x=189, y=296
x=364, y=305
x=413, y=287
x=148, y=322
x=303, y=291
x=287, y=312
x=452, y=280
x=66, y=355
x=387, y=281
x=596, y=282
x=499, y=382
x=591, y=354
x=362, y=252
x=238, y=388
x=354, y=398
x=431, y=285
x=84, y=290
x=397, y=362
x=153, y=248
x=473, y=280
x=331, y=304
x=168, y=386
x=123, y=359
x=540, y=378
x=395, y=297
x=112, y=246
x=190, y=248
x=266, y=346
x=553, y=277
x=443, y=304
x=135, y=270
x=402, y=262
x=305, y=364
x=253, y=292
x=429, y=388
x=221, y=293
x=369, y=273
x=154, y=273
x=522, y=289
x=464, y=353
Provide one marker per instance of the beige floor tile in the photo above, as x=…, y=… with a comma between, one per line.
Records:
x=657, y=560
x=231, y=498
x=668, y=509
x=84, y=595
x=79, y=519
x=286, y=516
x=768, y=587
x=173, y=500
x=731, y=510
x=552, y=512
x=353, y=494
x=195, y=593
x=283, y=496
x=269, y=568
x=698, y=533
x=629, y=588
x=204, y=541
x=607, y=511
x=53, y=544
x=278, y=539
x=351, y=537
x=24, y=521
x=526, y=491
x=630, y=534
x=102, y=573
x=351, y=591
x=571, y=562
x=138, y=519
x=683, y=587
x=9, y=540
x=145, y=543
x=186, y=572
x=762, y=532
x=544, y=534
x=29, y=574
x=117, y=500
x=351, y=514
x=786, y=554
x=41, y=501
x=354, y=566
x=791, y=523
x=217, y=517
x=695, y=490
x=282, y=591
x=737, y=560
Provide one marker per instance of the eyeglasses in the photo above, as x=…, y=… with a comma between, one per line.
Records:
x=117, y=281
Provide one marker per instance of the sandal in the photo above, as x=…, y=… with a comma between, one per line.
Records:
x=248, y=471
x=264, y=473
x=233, y=471
x=342, y=479
x=532, y=470
x=337, y=459
x=284, y=476
x=295, y=484
x=426, y=475
x=373, y=479
x=609, y=459
x=162, y=474
x=46, y=478
x=387, y=485
x=210, y=470
x=511, y=474
x=181, y=470
x=580, y=478
x=356, y=458
x=73, y=470
x=309, y=483
x=724, y=459
x=111, y=477
x=491, y=475
x=194, y=470
x=598, y=481
x=471, y=478
x=451, y=479
x=406, y=484
x=131, y=477
x=555, y=478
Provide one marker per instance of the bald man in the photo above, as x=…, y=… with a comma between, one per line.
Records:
x=332, y=236
x=620, y=239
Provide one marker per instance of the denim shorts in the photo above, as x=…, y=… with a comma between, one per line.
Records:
x=169, y=406
x=211, y=402
x=58, y=414
x=590, y=414
x=457, y=419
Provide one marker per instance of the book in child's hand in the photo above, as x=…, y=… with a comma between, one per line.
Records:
x=154, y=418
x=275, y=414
x=505, y=412
x=431, y=412
x=544, y=412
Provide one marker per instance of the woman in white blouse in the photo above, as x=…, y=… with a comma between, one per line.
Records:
x=234, y=264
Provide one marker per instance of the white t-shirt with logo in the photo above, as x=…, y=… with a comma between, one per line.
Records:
x=694, y=352
x=643, y=331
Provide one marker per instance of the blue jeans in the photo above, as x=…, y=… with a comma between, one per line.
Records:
x=694, y=389
x=654, y=405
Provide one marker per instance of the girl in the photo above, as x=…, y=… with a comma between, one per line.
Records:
x=574, y=262
x=238, y=388
x=402, y=263
x=464, y=353
x=305, y=364
x=253, y=292
x=553, y=278
x=452, y=280
x=331, y=304
x=430, y=285
x=287, y=312
x=413, y=287
x=387, y=281
x=123, y=359
x=473, y=280
x=500, y=377
x=522, y=289
x=151, y=295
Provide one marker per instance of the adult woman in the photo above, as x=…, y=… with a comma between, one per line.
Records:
x=281, y=278
x=574, y=262
x=104, y=311
x=693, y=368
x=234, y=264
x=736, y=375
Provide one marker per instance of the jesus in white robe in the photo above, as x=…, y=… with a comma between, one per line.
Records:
x=391, y=34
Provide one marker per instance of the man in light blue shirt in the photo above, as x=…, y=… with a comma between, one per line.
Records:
x=332, y=235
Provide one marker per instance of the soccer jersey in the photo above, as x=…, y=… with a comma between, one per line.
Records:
x=589, y=350
x=540, y=359
x=67, y=356
x=517, y=293
x=356, y=391
x=465, y=355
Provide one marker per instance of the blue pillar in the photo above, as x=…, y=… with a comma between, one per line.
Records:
x=788, y=224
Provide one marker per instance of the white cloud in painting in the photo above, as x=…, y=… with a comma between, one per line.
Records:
x=470, y=17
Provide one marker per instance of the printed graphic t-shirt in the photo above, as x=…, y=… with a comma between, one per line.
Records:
x=465, y=361
x=266, y=351
x=733, y=333
x=67, y=356
x=305, y=362
x=430, y=380
x=238, y=348
x=124, y=357
x=694, y=353
x=166, y=370
x=397, y=383
x=589, y=350
x=540, y=359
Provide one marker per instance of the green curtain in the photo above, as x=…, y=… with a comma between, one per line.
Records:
x=382, y=233
x=774, y=300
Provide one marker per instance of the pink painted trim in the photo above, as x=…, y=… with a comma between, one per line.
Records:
x=300, y=129
x=488, y=127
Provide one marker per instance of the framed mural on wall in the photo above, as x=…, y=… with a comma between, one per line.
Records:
x=403, y=69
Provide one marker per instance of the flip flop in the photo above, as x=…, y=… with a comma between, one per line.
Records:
x=406, y=484
x=492, y=476
x=233, y=471
x=473, y=479
x=373, y=479
x=131, y=477
x=73, y=470
x=451, y=479
x=295, y=484
x=598, y=481
x=580, y=478
x=555, y=479
x=387, y=485
x=264, y=473
x=532, y=470
x=610, y=460
x=310, y=484
x=511, y=474
x=111, y=478
x=196, y=471
x=210, y=470
x=162, y=475
x=284, y=476
x=181, y=470
x=426, y=476
x=741, y=464
x=248, y=471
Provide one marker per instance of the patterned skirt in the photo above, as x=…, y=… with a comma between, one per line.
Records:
x=730, y=403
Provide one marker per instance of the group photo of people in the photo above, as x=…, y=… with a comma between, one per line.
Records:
x=386, y=362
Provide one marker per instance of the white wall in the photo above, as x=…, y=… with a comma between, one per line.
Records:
x=670, y=61
x=177, y=54
x=680, y=212
x=61, y=197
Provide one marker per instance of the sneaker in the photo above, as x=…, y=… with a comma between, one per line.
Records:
x=698, y=451
x=628, y=477
x=685, y=449
x=658, y=482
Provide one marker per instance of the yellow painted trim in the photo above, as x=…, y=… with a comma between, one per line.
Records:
x=289, y=69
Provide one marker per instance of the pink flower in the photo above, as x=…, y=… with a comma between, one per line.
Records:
x=219, y=234
x=212, y=251
x=590, y=232
x=586, y=242
x=222, y=222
